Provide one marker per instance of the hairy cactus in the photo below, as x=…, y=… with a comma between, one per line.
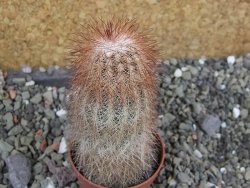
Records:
x=112, y=103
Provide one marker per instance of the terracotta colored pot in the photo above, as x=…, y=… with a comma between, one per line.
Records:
x=85, y=183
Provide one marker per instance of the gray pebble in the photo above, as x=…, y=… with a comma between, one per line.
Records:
x=179, y=91
x=211, y=124
x=19, y=170
x=49, y=113
x=26, y=140
x=19, y=80
x=9, y=120
x=15, y=130
x=25, y=95
x=5, y=147
x=184, y=178
x=37, y=168
x=186, y=75
x=17, y=105
x=36, y=99
x=247, y=174
x=48, y=97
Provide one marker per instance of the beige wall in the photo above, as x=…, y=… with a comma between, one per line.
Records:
x=36, y=32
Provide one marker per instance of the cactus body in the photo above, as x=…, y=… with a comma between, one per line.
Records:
x=112, y=104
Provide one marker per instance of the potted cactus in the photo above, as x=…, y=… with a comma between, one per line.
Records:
x=111, y=107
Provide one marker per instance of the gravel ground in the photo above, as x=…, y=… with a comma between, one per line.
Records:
x=203, y=117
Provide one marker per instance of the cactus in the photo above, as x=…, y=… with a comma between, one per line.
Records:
x=111, y=104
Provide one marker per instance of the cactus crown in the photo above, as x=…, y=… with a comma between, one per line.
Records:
x=112, y=103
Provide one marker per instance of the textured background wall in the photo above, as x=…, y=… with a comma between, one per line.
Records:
x=37, y=32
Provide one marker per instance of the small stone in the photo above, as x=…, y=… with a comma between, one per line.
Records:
x=43, y=145
x=61, y=113
x=242, y=169
x=223, y=125
x=48, y=97
x=47, y=183
x=12, y=93
x=30, y=83
x=247, y=174
x=19, y=169
x=5, y=147
x=187, y=75
x=49, y=113
x=184, y=178
x=36, y=99
x=222, y=86
x=184, y=69
x=236, y=112
x=197, y=107
x=18, y=80
x=25, y=95
x=17, y=105
x=179, y=91
x=178, y=73
x=231, y=60
x=244, y=113
x=26, y=140
x=211, y=124
x=42, y=69
x=223, y=170
x=63, y=146
x=15, y=119
x=55, y=146
x=15, y=130
x=198, y=154
x=37, y=168
x=202, y=61
x=39, y=132
x=9, y=120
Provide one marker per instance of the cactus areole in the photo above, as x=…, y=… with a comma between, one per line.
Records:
x=112, y=105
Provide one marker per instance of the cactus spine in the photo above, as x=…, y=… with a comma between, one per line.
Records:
x=111, y=103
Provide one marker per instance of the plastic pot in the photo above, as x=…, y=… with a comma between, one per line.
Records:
x=85, y=183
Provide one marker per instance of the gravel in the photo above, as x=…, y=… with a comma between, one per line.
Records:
x=203, y=108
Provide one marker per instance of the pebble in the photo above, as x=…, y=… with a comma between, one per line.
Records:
x=15, y=130
x=61, y=113
x=198, y=154
x=247, y=174
x=184, y=178
x=5, y=147
x=19, y=169
x=30, y=83
x=12, y=93
x=223, y=125
x=49, y=113
x=202, y=61
x=178, y=73
x=231, y=60
x=48, y=97
x=223, y=170
x=211, y=124
x=36, y=99
x=236, y=112
x=18, y=80
x=42, y=69
x=9, y=120
x=63, y=146
x=242, y=169
x=244, y=113
x=25, y=95
x=47, y=183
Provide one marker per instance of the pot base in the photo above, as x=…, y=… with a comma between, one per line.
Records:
x=85, y=183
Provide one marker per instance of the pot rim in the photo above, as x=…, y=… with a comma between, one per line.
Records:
x=147, y=181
